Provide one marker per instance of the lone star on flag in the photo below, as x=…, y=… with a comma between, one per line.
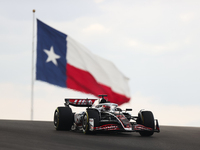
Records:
x=52, y=56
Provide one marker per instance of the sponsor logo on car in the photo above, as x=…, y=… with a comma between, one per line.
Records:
x=107, y=127
x=81, y=101
x=140, y=127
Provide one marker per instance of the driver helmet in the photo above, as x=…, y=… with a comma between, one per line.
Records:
x=105, y=108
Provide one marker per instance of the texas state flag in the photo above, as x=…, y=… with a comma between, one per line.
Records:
x=64, y=62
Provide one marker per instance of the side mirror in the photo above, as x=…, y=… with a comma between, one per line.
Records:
x=128, y=109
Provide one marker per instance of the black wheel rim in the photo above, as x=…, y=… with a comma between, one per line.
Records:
x=84, y=121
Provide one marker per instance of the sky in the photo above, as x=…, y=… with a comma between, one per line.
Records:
x=154, y=43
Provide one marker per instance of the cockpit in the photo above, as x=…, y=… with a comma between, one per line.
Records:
x=106, y=107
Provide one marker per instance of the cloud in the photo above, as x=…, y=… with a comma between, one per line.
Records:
x=82, y=29
x=99, y=1
x=14, y=36
x=151, y=48
x=187, y=17
x=95, y=29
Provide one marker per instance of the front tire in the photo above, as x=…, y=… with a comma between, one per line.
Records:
x=63, y=118
x=85, y=123
x=146, y=118
x=90, y=113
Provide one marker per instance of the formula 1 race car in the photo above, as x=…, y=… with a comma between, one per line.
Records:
x=105, y=116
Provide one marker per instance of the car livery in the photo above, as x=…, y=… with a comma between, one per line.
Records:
x=104, y=116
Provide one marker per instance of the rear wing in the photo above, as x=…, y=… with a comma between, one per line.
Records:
x=79, y=102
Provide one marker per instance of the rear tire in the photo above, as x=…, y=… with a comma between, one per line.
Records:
x=63, y=118
x=146, y=118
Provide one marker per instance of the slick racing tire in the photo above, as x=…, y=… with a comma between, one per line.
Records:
x=63, y=118
x=146, y=118
x=90, y=113
x=85, y=123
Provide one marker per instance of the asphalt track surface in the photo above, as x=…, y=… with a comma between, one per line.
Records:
x=38, y=135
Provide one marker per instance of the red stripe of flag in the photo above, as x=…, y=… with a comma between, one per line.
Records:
x=83, y=81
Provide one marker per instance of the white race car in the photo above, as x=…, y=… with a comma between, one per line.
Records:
x=105, y=116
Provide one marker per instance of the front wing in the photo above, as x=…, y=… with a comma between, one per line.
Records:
x=115, y=126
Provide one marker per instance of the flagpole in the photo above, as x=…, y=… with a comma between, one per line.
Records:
x=32, y=82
